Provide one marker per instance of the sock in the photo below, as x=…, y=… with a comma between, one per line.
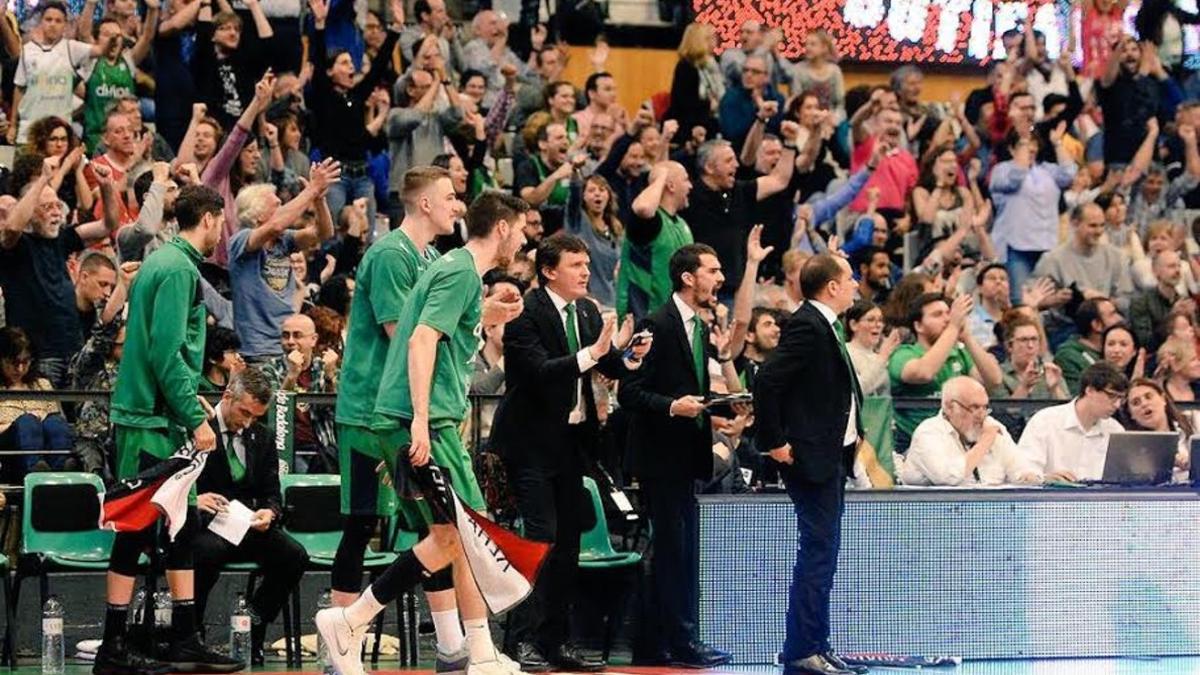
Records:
x=362, y=610
x=479, y=640
x=115, y=618
x=449, y=631
x=183, y=618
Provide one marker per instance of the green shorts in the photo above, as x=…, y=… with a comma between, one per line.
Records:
x=447, y=453
x=133, y=442
x=363, y=490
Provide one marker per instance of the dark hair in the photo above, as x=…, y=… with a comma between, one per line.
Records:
x=818, y=271
x=193, y=202
x=896, y=310
x=328, y=324
x=107, y=18
x=13, y=343
x=756, y=315
x=141, y=186
x=916, y=310
x=53, y=4
x=926, y=178
x=491, y=207
x=1103, y=376
x=420, y=7
x=218, y=341
x=988, y=268
x=866, y=254
x=1087, y=312
x=858, y=310
x=1013, y=137
x=552, y=89
x=39, y=134
x=498, y=276
x=686, y=261
x=1105, y=200
x=335, y=294
x=468, y=74
x=1124, y=327
x=551, y=249
x=1009, y=328
x=92, y=260
x=1174, y=417
x=593, y=80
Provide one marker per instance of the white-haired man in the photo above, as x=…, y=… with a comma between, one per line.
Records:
x=963, y=446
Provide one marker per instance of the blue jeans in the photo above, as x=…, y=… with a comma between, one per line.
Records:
x=345, y=191
x=29, y=434
x=1020, y=268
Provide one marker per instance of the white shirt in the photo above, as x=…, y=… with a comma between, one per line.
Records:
x=583, y=357
x=1054, y=440
x=938, y=456
x=851, y=435
x=48, y=75
x=239, y=447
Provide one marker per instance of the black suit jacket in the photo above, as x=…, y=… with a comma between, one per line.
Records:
x=540, y=377
x=802, y=395
x=663, y=446
x=259, y=489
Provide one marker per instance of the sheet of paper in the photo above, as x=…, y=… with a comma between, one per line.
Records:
x=234, y=523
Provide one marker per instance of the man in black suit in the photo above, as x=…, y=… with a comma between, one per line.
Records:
x=806, y=405
x=670, y=440
x=245, y=467
x=546, y=428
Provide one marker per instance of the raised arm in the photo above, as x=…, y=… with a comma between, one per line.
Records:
x=645, y=205
x=777, y=181
x=9, y=37
x=141, y=49
x=321, y=177
x=222, y=163
x=261, y=25
x=19, y=215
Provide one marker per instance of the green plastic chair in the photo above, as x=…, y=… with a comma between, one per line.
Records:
x=7, y=655
x=320, y=535
x=596, y=553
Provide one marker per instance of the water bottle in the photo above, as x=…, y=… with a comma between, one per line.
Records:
x=52, y=636
x=137, y=607
x=162, y=612
x=324, y=602
x=239, y=630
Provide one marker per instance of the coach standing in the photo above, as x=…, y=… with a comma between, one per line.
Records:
x=807, y=403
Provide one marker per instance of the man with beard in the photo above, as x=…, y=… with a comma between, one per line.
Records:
x=964, y=446
x=671, y=445
x=1128, y=96
x=874, y=274
x=762, y=337
x=543, y=180
x=39, y=293
x=422, y=400
x=154, y=410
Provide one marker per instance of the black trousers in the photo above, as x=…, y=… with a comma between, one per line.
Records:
x=819, y=509
x=673, y=600
x=552, y=509
x=280, y=558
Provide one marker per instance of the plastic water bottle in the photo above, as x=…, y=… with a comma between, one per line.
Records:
x=239, y=630
x=52, y=636
x=137, y=607
x=162, y=611
x=324, y=602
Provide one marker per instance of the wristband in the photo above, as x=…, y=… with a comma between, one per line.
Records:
x=789, y=145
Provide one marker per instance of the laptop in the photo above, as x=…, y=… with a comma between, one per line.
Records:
x=1140, y=458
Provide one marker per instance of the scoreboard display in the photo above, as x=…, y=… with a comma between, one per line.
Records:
x=911, y=31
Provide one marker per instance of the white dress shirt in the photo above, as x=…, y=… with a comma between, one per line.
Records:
x=1054, y=440
x=938, y=456
x=239, y=447
x=851, y=435
x=583, y=357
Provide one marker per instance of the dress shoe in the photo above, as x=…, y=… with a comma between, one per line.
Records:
x=651, y=658
x=570, y=658
x=530, y=658
x=833, y=658
x=813, y=665
x=696, y=654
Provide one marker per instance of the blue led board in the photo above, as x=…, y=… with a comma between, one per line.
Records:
x=978, y=575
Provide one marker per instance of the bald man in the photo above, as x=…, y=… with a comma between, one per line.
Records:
x=652, y=236
x=300, y=370
x=963, y=446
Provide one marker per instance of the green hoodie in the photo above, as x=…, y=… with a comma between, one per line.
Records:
x=164, y=343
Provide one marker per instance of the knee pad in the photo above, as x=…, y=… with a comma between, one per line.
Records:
x=441, y=580
x=346, y=575
x=179, y=552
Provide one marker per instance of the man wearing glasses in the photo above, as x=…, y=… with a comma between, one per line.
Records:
x=964, y=446
x=1068, y=442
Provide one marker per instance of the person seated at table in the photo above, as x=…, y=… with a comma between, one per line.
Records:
x=1149, y=408
x=1069, y=442
x=245, y=467
x=964, y=446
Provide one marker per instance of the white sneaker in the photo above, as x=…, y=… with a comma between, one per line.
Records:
x=500, y=665
x=343, y=643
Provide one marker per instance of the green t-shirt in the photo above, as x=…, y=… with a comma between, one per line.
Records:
x=957, y=363
x=386, y=275
x=1074, y=357
x=447, y=298
x=107, y=83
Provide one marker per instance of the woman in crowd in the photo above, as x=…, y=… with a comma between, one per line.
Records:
x=1027, y=374
x=1120, y=348
x=1180, y=368
x=941, y=204
x=818, y=72
x=33, y=425
x=592, y=216
x=697, y=85
x=807, y=110
x=868, y=348
x=1149, y=407
x=54, y=137
x=560, y=103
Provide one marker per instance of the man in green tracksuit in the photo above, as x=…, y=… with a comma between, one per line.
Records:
x=386, y=274
x=154, y=409
x=423, y=390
